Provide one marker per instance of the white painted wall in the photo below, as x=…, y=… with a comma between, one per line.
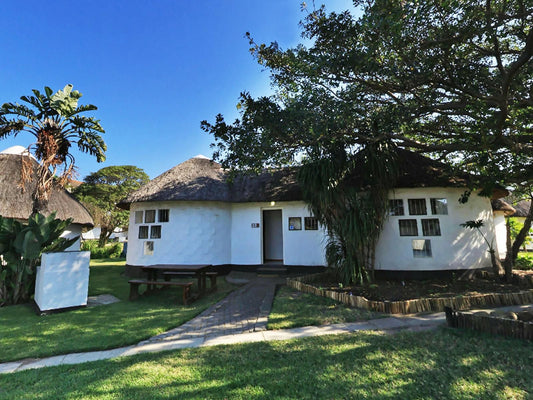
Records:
x=196, y=233
x=72, y=231
x=456, y=248
x=62, y=280
x=500, y=228
x=222, y=233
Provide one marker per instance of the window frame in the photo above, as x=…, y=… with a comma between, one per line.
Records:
x=412, y=208
x=311, y=223
x=410, y=220
x=398, y=206
x=295, y=227
x=143, y=228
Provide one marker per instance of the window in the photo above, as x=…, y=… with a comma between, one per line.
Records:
x=149, y=216
x=155, y=232
x=163, y=215
x=417, y=206
x=295, y=223
x=421, y=248
x=311, y=224
x=148, y=248
x=138, y=217
x=439, y=206
x=408, y=227
x=143, y=232
x=396, y=207
x=430, y=227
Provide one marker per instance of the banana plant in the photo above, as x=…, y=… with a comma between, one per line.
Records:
x=21, y=246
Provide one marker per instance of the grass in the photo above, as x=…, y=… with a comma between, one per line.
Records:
x=23, y=334
x=442, y=364
x=292, y=309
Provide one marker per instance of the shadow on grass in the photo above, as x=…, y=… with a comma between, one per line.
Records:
x=439, y=365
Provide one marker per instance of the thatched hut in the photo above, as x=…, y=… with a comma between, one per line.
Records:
x=193, y=214
x=16, y=197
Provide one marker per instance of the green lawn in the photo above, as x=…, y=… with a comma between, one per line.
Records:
x=442, y=364
x=24, y=334
x=292, y=309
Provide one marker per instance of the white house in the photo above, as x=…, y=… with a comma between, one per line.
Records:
x=16, y=201
x=191, y=214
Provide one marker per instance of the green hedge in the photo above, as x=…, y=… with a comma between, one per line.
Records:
x=111, y=250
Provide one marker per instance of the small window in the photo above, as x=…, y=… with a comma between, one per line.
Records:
x=311, y=224
x=430, y=227
x=439, y=206
x=149, y=216
x=148, y=248
x=417, y=207
x=138, y=217
x=408, y=227
x=295, y=223
x=155, y=232
x=143, y=232
x=396, y=207
x=163, y=215
x=421, y=248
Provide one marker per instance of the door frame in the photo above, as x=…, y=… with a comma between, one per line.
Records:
x=263, y=209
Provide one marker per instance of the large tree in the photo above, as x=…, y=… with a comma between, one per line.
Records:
x=55, y=121
x=450, y=79
x=103, y=189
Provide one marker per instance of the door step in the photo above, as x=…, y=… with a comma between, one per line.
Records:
x=272, y=270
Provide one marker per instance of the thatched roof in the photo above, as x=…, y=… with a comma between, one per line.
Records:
x=200, y=179
x=500, y=205
x=17, y=203
x=522, y=208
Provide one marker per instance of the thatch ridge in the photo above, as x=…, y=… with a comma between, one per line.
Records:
x=500, y=205
x=16, y=202
x=522, y=208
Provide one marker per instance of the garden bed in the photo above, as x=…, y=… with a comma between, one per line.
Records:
x=398, y=297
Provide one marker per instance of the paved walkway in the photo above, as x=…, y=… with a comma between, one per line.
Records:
x=239, y=318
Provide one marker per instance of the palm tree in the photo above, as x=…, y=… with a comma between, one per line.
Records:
x=54, y=120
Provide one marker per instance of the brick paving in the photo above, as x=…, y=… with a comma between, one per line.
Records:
x=244, y=310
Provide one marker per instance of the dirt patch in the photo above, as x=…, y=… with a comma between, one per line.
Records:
x=409, y=290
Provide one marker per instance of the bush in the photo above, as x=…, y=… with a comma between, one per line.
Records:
x=524, y=262
x=112, y=250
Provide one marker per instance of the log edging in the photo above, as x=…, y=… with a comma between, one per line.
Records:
x=490, y=324
x=304, y=284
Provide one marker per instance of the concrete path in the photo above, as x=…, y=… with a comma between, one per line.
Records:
x=239, y=318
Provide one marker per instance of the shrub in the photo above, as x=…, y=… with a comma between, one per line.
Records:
x=524, y=262
x=113, y=250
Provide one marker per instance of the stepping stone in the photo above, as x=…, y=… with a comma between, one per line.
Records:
x=101, y=300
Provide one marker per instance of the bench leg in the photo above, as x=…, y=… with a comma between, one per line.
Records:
x=134, y=291
x=186, y=294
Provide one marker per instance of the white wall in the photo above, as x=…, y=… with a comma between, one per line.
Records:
x=500, y=228
x=196, y=233
x=456, y=248
x=72, y=231
x=299, y=247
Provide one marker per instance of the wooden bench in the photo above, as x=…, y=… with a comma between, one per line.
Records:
x=135, y=283
x=211, y=275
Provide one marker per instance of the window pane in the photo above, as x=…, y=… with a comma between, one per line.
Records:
x=417, y=207
x=143, y=232
x=311, y=223
x=155, y=232
x=295, y=223
x=439, y=206
x=138, y=217
x=421, y=248
x=163, y=215
x=408, y=227
x=396, y=207
x=148, y=248
x=149, y=216
x=430, y=227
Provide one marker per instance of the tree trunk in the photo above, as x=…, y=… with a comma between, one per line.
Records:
x=104, y=235
x=512, y=252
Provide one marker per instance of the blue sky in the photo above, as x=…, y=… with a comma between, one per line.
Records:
x=154, y=69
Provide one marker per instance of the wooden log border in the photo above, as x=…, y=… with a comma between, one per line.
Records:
x=490, y=324
x=304, y=284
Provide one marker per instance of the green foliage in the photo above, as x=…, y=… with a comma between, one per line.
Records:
x=55, y=120
x=21, y=246
x=101, y=192
x=515, y=227
x=112, y=250
x=524, y=261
